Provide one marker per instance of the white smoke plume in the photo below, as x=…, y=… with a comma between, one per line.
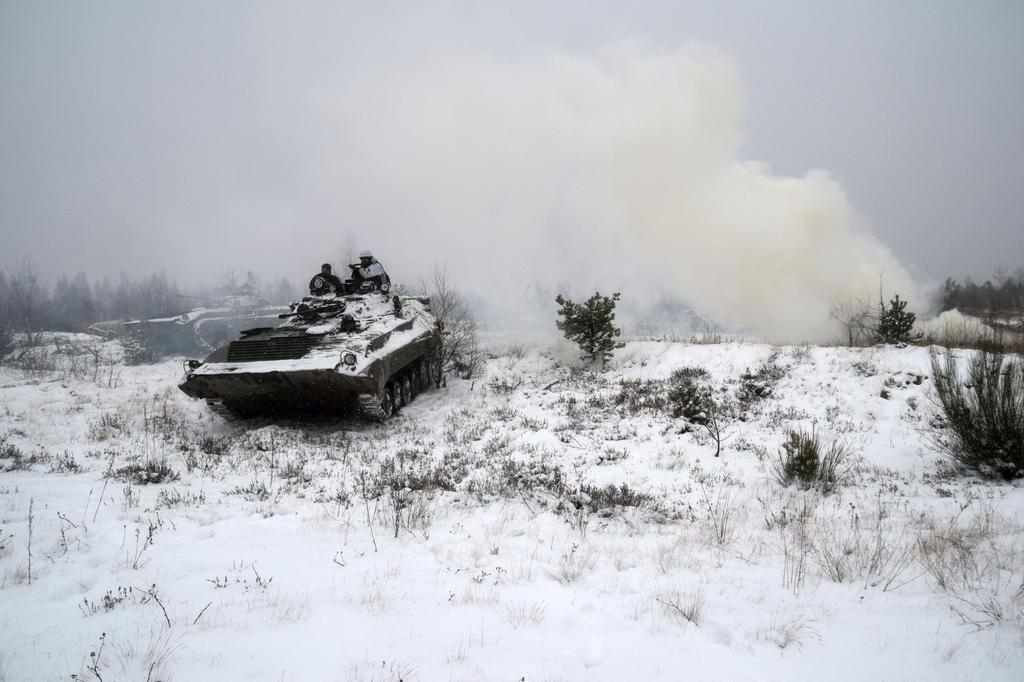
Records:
x=614, y=171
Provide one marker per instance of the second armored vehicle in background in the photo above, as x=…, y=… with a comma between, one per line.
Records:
x=198, y=330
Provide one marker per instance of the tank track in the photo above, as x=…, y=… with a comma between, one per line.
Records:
x=370, y=407
x=222, y=410
x=412, y=381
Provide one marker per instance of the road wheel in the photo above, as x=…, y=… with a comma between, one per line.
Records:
x=418, y=381
x=414, y=382
x=378, y=407
x=434, y=369
x=387, y=401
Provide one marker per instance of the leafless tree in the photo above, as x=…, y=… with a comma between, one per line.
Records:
x=715, y=423
x=459, y=352
x=858, y=318
x=26, y=299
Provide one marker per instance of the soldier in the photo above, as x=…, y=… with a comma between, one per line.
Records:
x=325, y=282
x=370, y=270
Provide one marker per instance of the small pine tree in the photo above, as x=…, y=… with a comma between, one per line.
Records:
x=590, y=325
x=896, y=323
x=688, y=396
x=799, y=459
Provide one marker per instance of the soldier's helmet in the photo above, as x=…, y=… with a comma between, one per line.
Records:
x=367, y=254
x=326, y=267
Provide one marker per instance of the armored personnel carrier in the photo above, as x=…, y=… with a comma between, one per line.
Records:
x=331, y=351
x=198, y=330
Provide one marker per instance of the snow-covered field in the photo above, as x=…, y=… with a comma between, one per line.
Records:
x=273, y=555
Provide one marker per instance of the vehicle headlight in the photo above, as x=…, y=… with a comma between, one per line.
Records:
x=349, y=359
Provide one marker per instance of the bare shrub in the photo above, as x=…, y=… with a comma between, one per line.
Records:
x=791, y=632
x=984, y=414
x=579, y=504
x=574, y=564
x=139, y=348
x=504, y=413
x=459, y=352
x=777, y=417
x=256, y=491
x=715, y=424
x=864, y=367
x=26, y=299
x=64, y=463
x=794, y=527
x=144, y=471
x=17, y=459
x=33, y=358
x=801, y=353
x=9, y=450
x=533, y=424
x=720, y=510
x=949, y=554
x=89, y=359
x=213, y=446
x=523, y=613
x=858, y=319
x=760, y=384
x=126, y=659
x=406, y=481
x=864, y=544
x=108, y=425
x=636, y=396
x=997, y=601
x=461, y=428
x=6, y=342
x=684, y=606
x=111, y=600
x=612, y=455
x=294, y=471
x=692, y=399
x=538, y=474
x=979, y=574
x=135, y=557
x=599, y=499
x=505, y=384
x=173, y=499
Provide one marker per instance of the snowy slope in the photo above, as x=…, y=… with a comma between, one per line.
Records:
x=258, y=563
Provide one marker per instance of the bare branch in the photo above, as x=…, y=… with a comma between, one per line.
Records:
x=200, y=615
x=857, y=317
x=459, y=352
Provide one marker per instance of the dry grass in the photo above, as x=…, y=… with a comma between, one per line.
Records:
x=522, y=614
x=683, y=607
x=573, y=564
x=791, y=632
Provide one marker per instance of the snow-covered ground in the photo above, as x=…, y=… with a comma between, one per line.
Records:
x=258, y=562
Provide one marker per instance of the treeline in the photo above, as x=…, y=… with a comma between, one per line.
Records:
x=32, y=301
x=1002, y=293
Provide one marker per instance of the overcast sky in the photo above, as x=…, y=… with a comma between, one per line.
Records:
x=199, y=137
